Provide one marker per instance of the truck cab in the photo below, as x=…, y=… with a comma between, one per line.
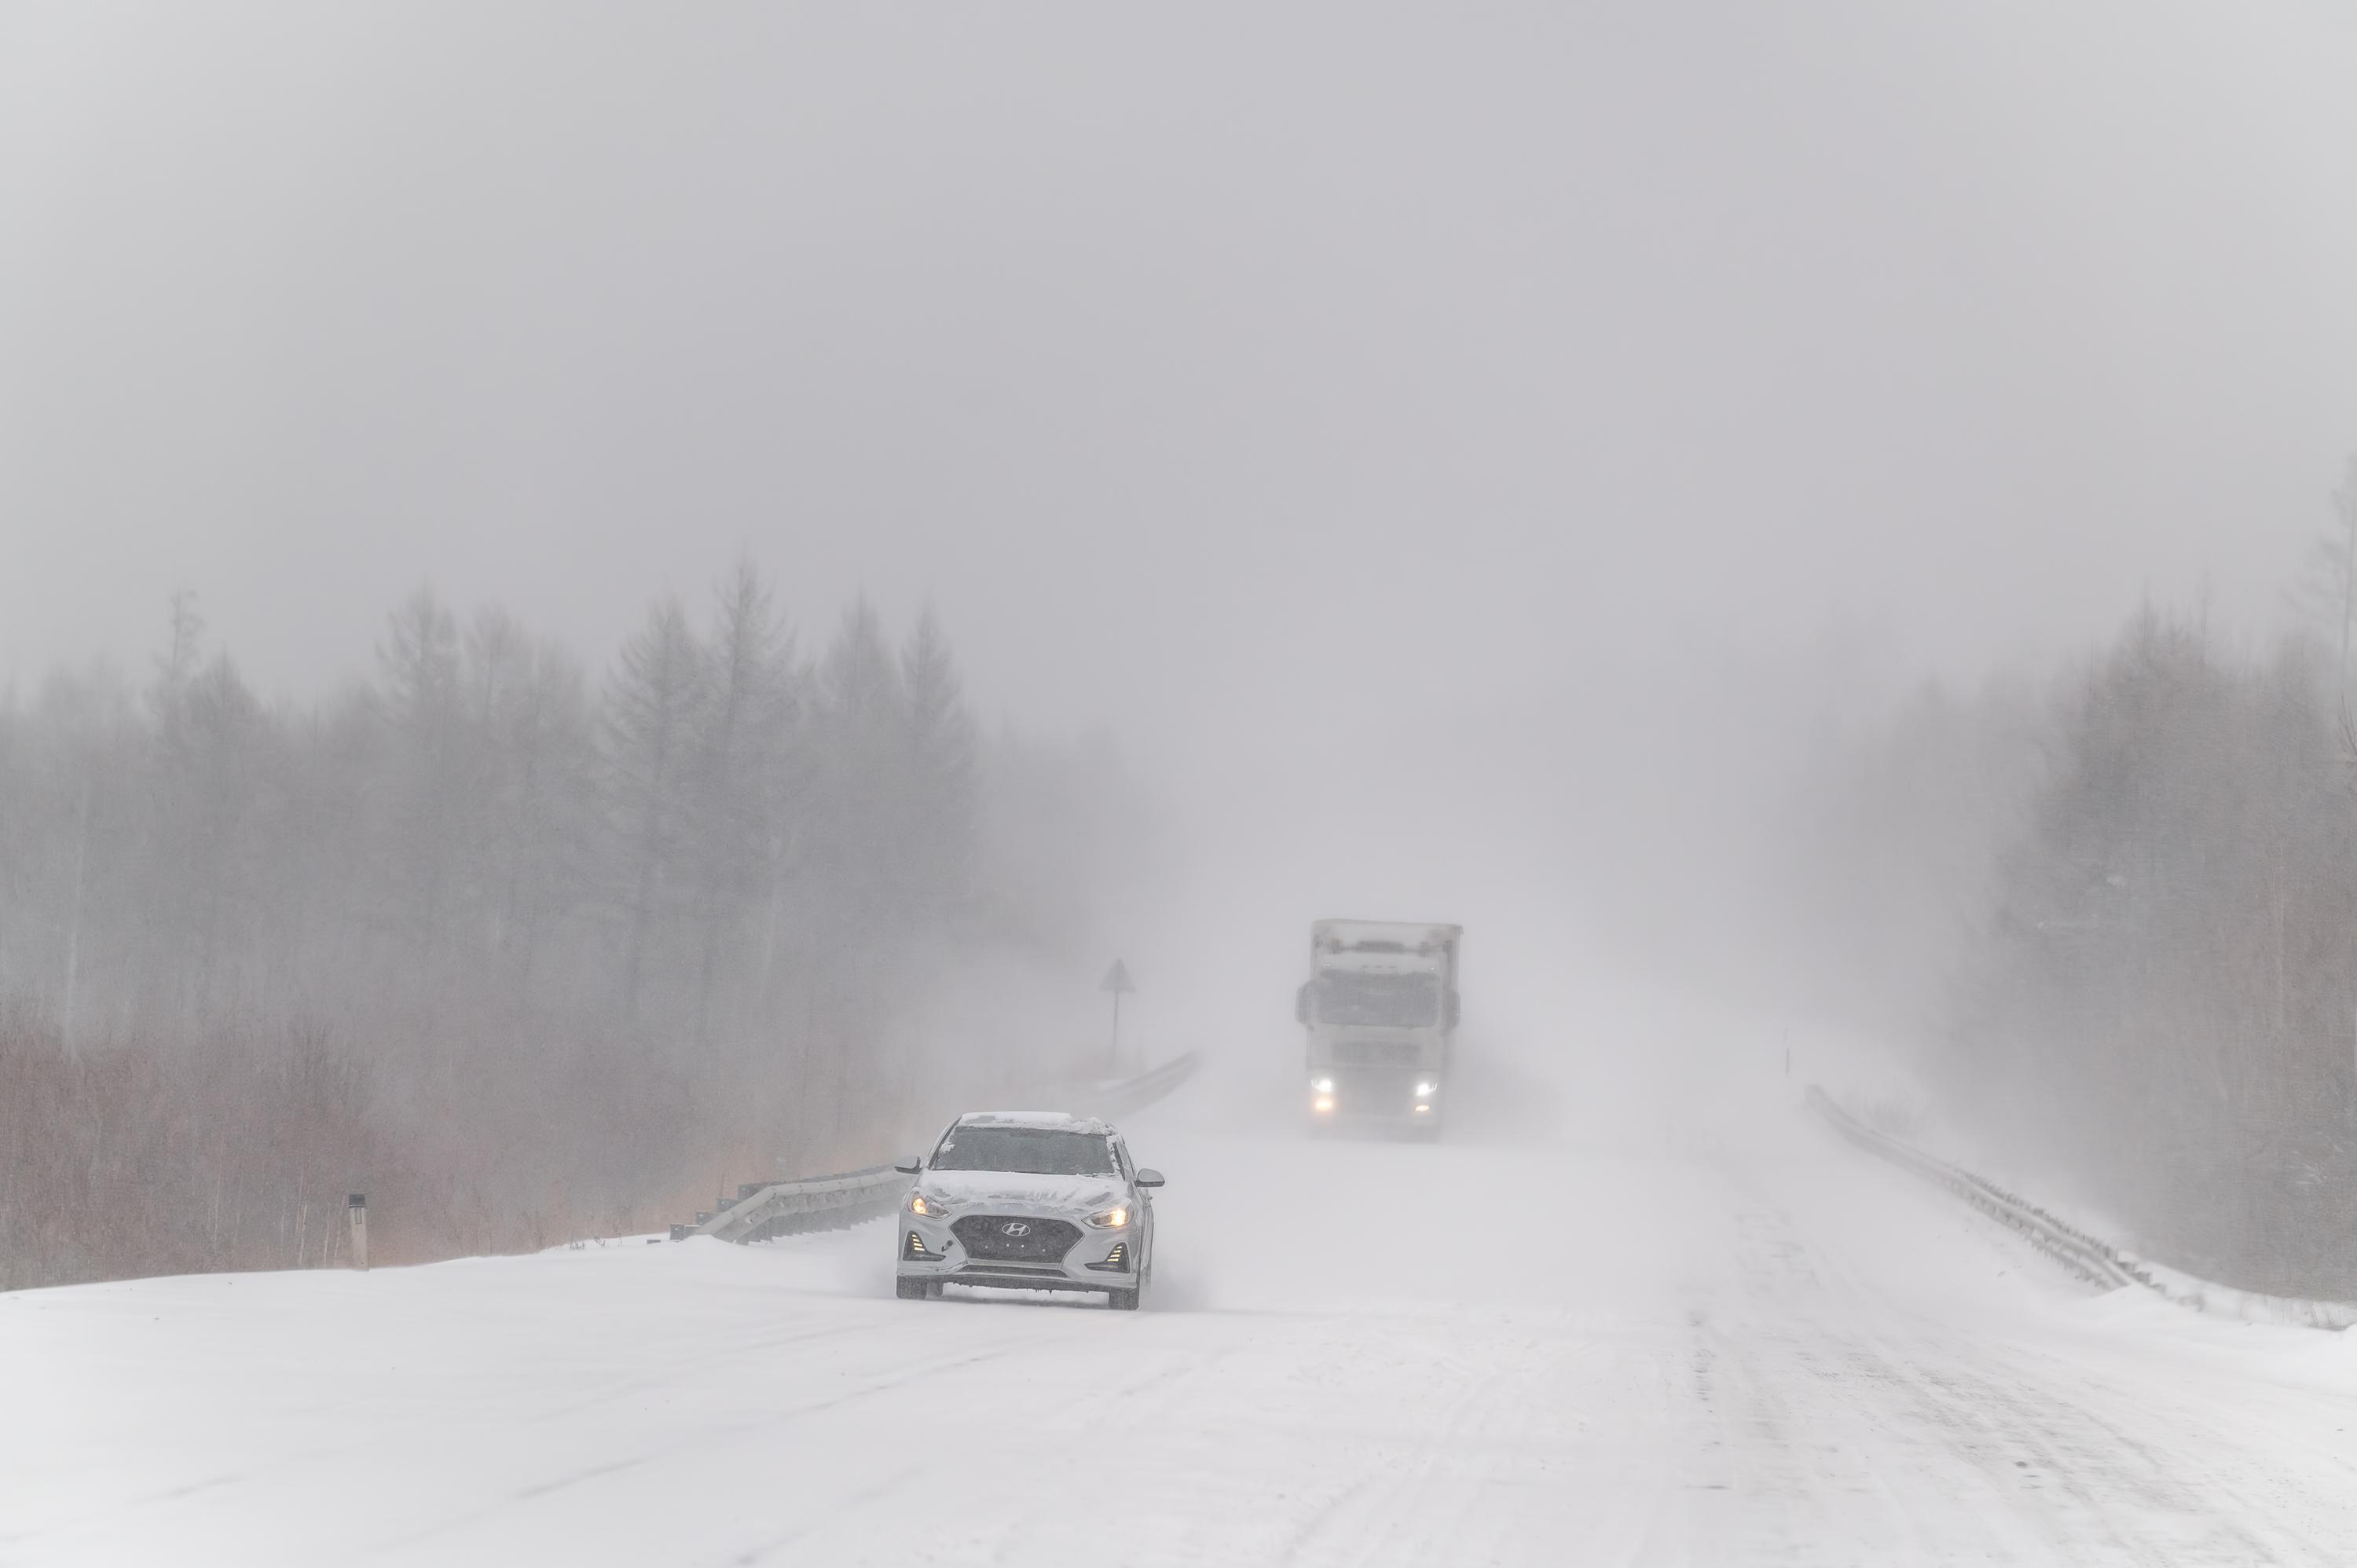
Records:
x=1380, y=1009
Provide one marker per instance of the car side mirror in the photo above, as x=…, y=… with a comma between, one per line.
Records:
x=913, y=1165
x=1148, y=1177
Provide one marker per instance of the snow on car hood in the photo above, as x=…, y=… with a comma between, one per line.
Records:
x=1076, y=1192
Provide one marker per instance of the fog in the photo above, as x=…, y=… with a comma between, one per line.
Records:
x=610, y=615
x=1463, y=468
x=1199, y=346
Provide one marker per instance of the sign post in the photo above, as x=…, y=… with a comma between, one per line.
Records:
x=356, y=1210
x=1117, y=980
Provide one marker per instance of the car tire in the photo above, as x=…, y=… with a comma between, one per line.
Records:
x=1122, y=1300
x=913, y=1290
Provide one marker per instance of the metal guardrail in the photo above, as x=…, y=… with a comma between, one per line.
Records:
x=2082, y=1254
x=2094, y=1260
x=1122, y=1096
x=829, y=1203
x=791, y=1208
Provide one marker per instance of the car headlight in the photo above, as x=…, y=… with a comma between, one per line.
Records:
x=1110, y=1218
x=1323, y=1085
x=930, y=1208
x=1426, y=1091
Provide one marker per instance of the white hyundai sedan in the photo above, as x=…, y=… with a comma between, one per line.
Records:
x=1028, y=1200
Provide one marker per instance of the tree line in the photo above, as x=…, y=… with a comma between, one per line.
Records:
x=2120, y=907
x=547, y=949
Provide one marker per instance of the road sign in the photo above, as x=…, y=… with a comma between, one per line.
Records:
x=1117, y=978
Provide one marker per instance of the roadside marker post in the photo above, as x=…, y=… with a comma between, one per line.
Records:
x=356, y=1214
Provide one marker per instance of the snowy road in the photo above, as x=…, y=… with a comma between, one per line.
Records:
x=1761, y=1348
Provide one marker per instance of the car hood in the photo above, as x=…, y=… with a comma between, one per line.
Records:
x=1080, y=1194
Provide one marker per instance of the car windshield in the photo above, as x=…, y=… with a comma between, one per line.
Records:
x=1037, y=1151
x=1394, y=1001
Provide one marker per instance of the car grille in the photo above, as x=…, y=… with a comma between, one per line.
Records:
x=1038, y=1240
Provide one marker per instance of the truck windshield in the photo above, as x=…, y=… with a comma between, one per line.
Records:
x=1036, y=1151
x=1379, y=1001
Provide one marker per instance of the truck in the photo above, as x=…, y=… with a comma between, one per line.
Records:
x=1380, y=1009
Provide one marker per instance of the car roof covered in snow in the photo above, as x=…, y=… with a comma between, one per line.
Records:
x=1059, y=1120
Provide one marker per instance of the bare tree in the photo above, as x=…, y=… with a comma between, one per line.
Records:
x=651, y=702
x=2324, y=591
x=741, y=724
x=427, y=775
x=937, y=799
x=252, y=955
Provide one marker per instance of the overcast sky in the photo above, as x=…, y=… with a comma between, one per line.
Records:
x=1215, y=370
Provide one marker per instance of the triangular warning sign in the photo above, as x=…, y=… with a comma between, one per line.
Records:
x=1117, y=978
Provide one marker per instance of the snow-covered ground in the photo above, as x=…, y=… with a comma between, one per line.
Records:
x=1743, y=1344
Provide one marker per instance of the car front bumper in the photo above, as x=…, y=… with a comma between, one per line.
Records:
x=1375, y=1122
x=929, y=1249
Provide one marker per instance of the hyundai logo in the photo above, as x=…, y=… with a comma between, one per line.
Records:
x=1015, y=1228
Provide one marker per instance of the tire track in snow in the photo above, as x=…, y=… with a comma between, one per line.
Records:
x=717, y=1436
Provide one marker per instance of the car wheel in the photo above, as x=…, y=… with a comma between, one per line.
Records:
x=1122, y=1300
x=913, y=1290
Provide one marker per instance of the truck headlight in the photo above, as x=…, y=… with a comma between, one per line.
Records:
x=1323, y=1085
x=1109, y=1219
x=1426, y=1091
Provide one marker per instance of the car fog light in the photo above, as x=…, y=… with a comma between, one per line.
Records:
x=1324, y=1102
x=1422, y=1110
